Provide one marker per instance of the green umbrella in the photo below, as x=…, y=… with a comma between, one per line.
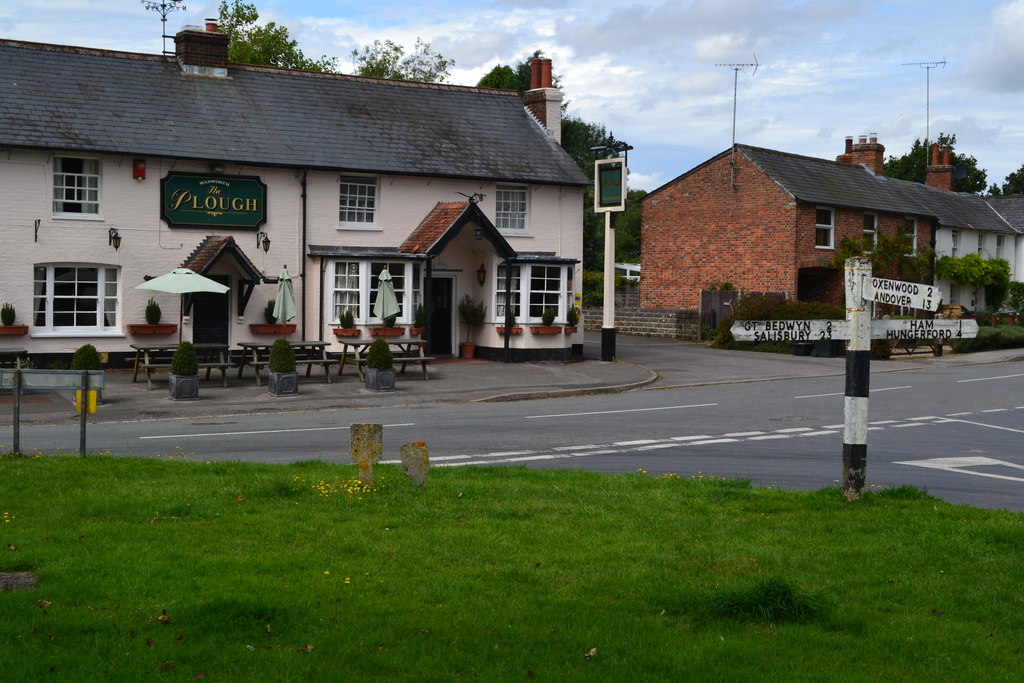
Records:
x=386, y=304
x=284, y=304
x=183, y=281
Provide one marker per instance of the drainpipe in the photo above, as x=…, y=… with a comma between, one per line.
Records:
x=508, y=310
x=428, y=308
x=302, y=274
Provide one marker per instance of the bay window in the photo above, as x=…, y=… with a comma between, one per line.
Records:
x=355, y=289
x=541, y=286
x=75, y=299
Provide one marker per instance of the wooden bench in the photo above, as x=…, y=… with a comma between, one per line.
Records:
x=403, y=361
x=257, y=357
x=210, y=356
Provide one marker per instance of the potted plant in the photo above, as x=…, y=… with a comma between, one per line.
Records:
x=184, y=377
x=472, y=314
x=87, y=358
x=572, y=317
x=419, y=322
x=346, y=325
x=546, y=318
x=152, y=326
x=282, y=377
x=388, y=329
x=379, y=374
x=7, y=315
x=271, y=326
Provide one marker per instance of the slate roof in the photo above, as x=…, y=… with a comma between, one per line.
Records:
x=81, y=99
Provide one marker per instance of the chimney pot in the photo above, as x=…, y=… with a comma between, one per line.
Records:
x=935, y=154
x=945, y=157
x=863, y=139
x=874, y=138
x=849, y=144
x=211, y=25
x=535, y=73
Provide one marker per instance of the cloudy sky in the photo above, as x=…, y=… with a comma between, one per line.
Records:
x=652, y=71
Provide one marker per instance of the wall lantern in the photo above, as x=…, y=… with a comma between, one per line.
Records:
x=481, y=275
x=138, y=169
x=114, y=238
x=263, y=240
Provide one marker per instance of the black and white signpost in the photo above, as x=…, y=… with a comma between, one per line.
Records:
x=862, y=291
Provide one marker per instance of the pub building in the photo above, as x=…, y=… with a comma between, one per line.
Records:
x=118, y=167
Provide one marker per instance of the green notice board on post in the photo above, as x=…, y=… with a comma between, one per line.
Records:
x=196, y=200
x=609, y=185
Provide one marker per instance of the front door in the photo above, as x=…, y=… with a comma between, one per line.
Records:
x=441, y=318
x=210, y=315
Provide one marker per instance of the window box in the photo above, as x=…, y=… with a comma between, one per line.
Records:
x=146, y=328
x=511, y=330
x=277, y=328
x=14, y=329
x=417, y=331
x=546, y=329
x=347, y=331
x=570, y=330
x=382, y=331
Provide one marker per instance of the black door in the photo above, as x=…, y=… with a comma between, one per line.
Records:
x=210, y=315
x=441, y=316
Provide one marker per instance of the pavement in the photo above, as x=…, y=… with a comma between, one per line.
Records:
x=642, y=363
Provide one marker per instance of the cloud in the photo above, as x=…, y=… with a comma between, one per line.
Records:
x=996, y=65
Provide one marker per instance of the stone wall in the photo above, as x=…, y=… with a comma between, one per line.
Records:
x=653, y=322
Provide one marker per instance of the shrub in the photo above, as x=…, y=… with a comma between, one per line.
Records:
x=379, y=357
x=547, y=317
x=420, y=318
x=346, y=320
x=769, y=307
x=153, y=312
x=282, y=356
x=472, y=314
x=86, y=358
x=7, y=314
x=183, y=362
x=57, y=364
x=990, y=338
x=1015, y=298
x=268, y=312
x=572, y=316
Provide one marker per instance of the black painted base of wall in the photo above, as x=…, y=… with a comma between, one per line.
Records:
x=523, y=355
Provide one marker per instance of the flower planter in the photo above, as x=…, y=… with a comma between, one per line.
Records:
x=279, y=328
x=146, y=328
x=511, y=330
x=346, y=331
x=184, y=387
x=283, y=383
x=417, y=331
x=546, y=329
x=381, y=331
x=376, y=379
x=13, y=329
x=467, y=349
x=570, y=330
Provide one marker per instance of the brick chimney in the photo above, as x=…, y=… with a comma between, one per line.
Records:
x=202, y=53
x=868, y=152
x=544, y=100
x=847, y=156
x=939, y=175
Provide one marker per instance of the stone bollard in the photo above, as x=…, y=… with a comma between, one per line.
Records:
x=367, y=444
x=416, y=461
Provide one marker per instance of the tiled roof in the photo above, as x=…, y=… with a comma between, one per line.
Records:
x=210, y=251
x=67, y=98
x=433, y=227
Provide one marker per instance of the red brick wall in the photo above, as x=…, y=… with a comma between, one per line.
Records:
x=700, y=231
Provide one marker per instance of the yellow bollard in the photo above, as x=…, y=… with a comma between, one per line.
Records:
x=90, y=401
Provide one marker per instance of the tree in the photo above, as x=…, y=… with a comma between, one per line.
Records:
x=911, y=166
x=517, y=77
x=892, y=257
x=1014, y=184
x=971, y=270
x=388, y=60
x=269, y=45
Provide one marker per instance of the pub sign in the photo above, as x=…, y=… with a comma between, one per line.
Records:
x=609, y=185
x=197, y=200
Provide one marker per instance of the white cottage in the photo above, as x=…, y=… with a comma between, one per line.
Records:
x=118, y=167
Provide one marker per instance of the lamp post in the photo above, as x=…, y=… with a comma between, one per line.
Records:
x=610, y=198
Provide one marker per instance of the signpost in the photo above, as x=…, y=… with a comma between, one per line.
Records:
x=609, y=197
x=862, y=291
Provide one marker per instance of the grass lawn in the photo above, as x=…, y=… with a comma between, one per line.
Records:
x=168, y=569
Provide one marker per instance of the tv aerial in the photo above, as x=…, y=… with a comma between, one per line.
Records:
x=736, y=69
x=164, y=7
x=927, y=66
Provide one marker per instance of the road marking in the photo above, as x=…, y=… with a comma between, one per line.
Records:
x=741, y=434
x=826, y=431
x=691, y=438
x=969, y=412
x=768, y=436
x=986, y=379
x=958, y=464
x=996, y=410
x=261, y=431
x=639, y=442
x=838, y=393
x=981, y=424
x=875, y=391
x=790, y=430
x=615, y=412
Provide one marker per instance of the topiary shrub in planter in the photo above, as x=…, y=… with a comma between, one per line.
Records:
x=153, y=312
x=7, y=314
x=379, y=374
x=184, y=376
x=282, y=377
x=268, y=312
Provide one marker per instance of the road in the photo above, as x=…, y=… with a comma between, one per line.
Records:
x=956, y=431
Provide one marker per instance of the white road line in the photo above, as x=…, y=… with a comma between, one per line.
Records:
x=838, y=393
x=951, y=465
x=996, y=410
x=639, y=442
x=839, y=426
x=875, y=391
x=923, y=417
x=505, y=454
x=710, y=441
x=575, y=448
x=985, y=379
x=882, y=422
x=981, y=424
x=909, y=424
x=826, y=431
x=741, y=434
x=260, y=431
x=691, y=438
x=615, y=412
x=969, y=412
x=790, y=430
x=656, y=447
x=769, y=436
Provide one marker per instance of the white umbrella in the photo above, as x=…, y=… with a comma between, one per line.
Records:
x=183, y=281
x=386, y=304
x=284, y=304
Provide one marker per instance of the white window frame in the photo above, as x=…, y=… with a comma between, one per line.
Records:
x=408, y=276
x=1000, y=245
x=954, y=293
x=828, y=228
x=512, y=213
x=871, y=232
x=51, y=294
x=77, y=189
x=528, y=304
x=954, y=243
x=981, y=244
x=911, y=221
x=358, y=210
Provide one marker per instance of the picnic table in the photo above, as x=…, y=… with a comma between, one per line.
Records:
x=150, y=357
x=406, y=350
x=256, y=355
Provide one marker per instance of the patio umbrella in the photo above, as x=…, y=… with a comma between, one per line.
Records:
x=183, y=281
x=386, y=304
x=284, y=304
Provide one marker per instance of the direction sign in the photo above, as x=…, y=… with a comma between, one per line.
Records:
x=815, y=330
x=900, y=293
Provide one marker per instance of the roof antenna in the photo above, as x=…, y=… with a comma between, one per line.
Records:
x=473, y=198
x=927, y=66
x=164, y=7
x=736, y=68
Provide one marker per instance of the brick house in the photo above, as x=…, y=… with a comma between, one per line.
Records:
x=770, y=221
x=188, y=159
